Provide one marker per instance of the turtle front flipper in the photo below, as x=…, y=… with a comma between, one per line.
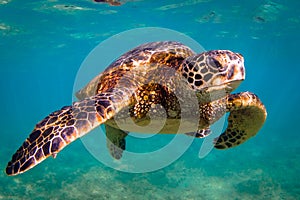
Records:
x=247, y=116
x=62, y=127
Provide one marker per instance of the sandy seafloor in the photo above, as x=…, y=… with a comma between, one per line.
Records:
x=43, y=43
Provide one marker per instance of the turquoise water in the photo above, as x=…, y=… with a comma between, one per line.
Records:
x=43, y=44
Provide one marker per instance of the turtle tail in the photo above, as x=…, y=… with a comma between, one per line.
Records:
x=60, y=128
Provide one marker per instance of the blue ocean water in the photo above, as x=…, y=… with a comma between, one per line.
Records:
x=43, y=44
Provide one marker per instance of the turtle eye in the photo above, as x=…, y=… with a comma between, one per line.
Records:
x=216, y=63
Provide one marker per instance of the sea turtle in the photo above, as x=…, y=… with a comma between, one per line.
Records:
x=110, y=2
x=158, y=79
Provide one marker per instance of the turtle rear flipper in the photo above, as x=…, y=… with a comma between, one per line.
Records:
x=247, y=116
x=62, y=127
x=200, y=133
x=115, y=141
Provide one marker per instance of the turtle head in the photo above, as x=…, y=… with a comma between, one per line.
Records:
x=214, y=70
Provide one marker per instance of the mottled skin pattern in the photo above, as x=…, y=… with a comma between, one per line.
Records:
x=149, y=80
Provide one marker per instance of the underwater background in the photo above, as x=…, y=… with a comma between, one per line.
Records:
x=43, y=43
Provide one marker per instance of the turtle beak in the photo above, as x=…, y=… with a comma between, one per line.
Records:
x=233, y=85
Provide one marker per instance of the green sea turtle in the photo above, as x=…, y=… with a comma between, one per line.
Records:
x=158, y=79
x=110, y=2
